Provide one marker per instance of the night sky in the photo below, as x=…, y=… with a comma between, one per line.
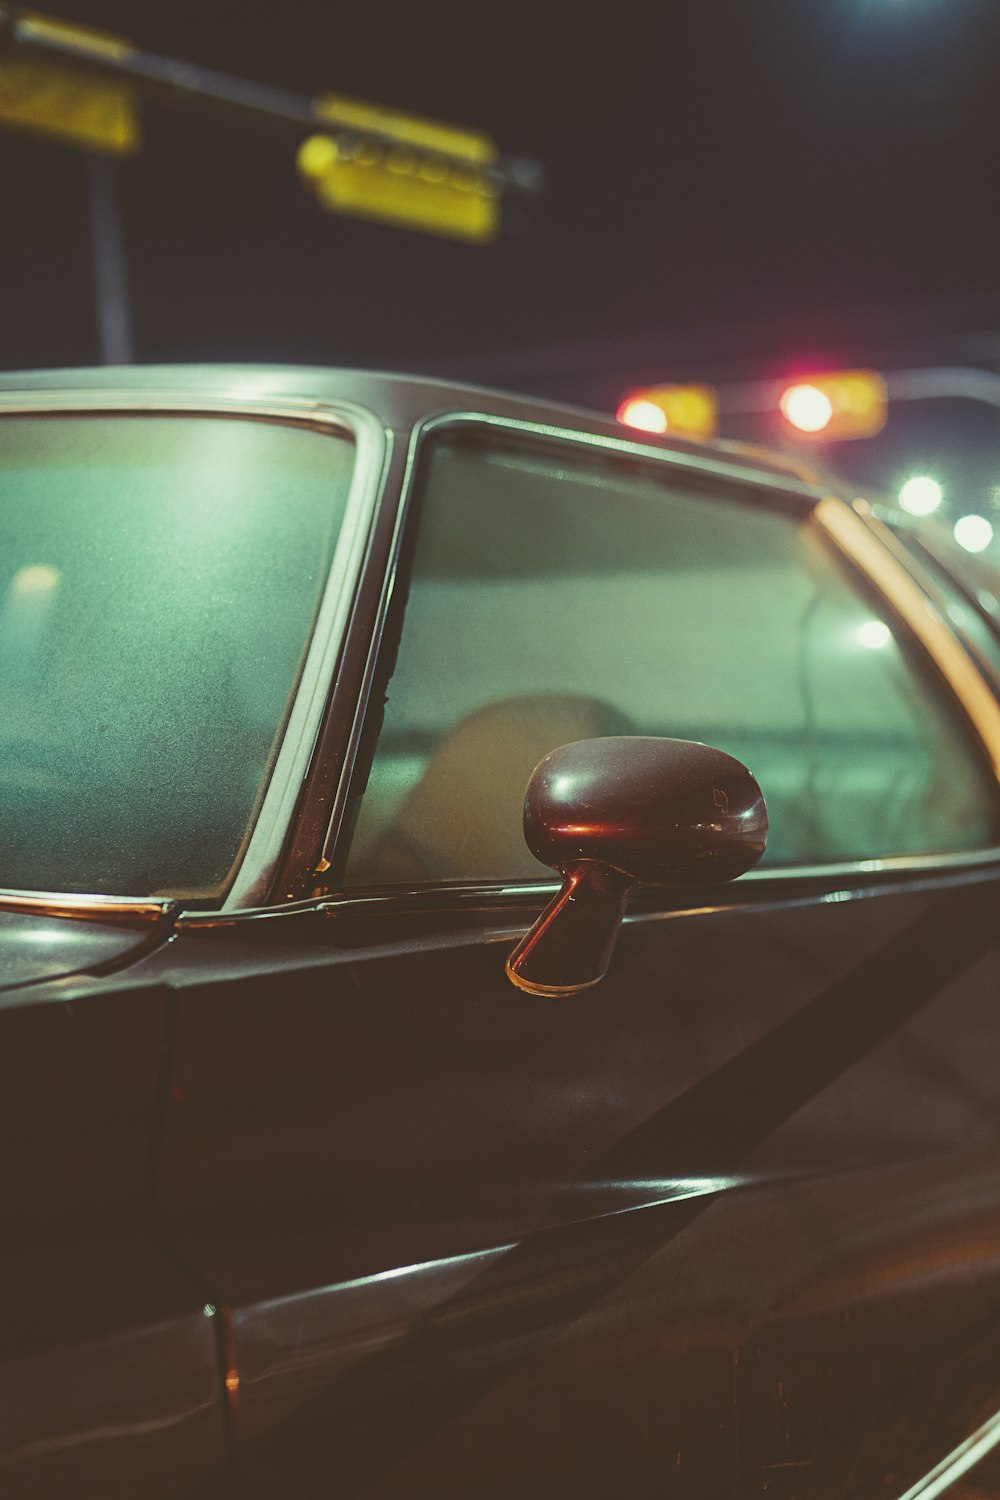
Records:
x=735, y=187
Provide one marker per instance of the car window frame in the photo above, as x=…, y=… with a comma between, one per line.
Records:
x=258, y=860
x=976, y=707
x=915, y=547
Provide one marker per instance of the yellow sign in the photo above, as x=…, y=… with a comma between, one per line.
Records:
x=403, y=184
x=50, y=99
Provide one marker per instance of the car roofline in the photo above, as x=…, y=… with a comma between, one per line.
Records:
x=405, y=398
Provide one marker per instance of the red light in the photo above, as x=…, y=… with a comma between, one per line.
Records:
x=637, y=411
x=806, y=407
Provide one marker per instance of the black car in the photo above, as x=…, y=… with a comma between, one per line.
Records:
x=302, y=1195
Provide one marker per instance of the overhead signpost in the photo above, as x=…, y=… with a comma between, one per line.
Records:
x=401, y=145
x=80, y=86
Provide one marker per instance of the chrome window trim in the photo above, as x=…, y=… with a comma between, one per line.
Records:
x=261, y=852
x=388, y=585
x=868, y=874
x=907, y=532
x=916, y=555
x=257, y=869
x=88, y=908
x=849, y=529
x=624, y=447
x=155, y=400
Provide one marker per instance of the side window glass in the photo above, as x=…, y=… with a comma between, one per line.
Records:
x=557, y=596
x=968, y=588
x=159, y=581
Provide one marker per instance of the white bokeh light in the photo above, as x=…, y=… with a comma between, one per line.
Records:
x=874, y=634
x=639, y=412
x=974, y=533
x=806, y=407
x=38, y=578
x=921, y=495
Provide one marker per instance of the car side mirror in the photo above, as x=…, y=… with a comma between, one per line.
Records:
x=612, y=813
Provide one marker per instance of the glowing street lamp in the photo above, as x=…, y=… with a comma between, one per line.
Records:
x=806, y=407
x=921, y=495
x=874, y=634
x=638, y=411
x=974, y=533
x=843, y=404
x=688, y=411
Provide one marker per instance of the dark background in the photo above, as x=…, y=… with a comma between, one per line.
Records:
x=736, y=188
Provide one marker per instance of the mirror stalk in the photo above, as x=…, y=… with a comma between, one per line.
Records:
x=570, y=946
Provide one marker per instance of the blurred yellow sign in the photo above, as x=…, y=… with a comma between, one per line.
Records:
x=408, y=130
x=405, y=183
x=97, y=113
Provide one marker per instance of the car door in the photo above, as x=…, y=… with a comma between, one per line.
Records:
x=724, y=1224
x=143, y=690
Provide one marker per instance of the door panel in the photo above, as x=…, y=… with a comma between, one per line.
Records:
x=476, y=1242
x=109, y=1380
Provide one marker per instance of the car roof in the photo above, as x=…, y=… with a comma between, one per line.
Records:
x=401, y=400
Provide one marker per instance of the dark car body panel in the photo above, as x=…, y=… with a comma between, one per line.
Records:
x=108, y=1376
x=308, y=1200
x=763, y=1171
x=36, y=947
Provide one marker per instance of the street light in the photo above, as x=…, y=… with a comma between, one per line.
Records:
x=689, y=411
x=921, y=495
x=640, y=412
x=806, y=407
x=974, y=533
x=842, y=404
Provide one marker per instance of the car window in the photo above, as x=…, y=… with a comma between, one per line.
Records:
x=159, y=576
x=968, y=588
x=556, y=597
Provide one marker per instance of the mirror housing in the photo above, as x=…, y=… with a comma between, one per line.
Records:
x=612, y=813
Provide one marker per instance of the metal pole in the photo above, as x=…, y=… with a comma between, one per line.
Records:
x=111, y=299
x=954, y=383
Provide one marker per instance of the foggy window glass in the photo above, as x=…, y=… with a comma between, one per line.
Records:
x=159, y=577
x=558, y=598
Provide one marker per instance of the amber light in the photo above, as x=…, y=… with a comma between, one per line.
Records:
x=836, y=406
x=806, y=407
x=638, y=411
x=688, y=411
